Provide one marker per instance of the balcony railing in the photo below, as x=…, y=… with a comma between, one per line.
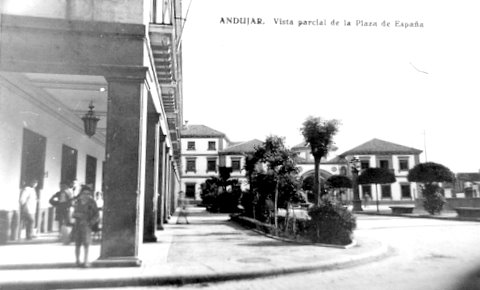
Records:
x=162, y=12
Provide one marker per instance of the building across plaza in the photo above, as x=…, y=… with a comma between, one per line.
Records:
x=374, y=153
x=204, y=150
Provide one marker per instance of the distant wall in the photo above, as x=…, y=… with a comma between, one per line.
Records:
x=452, y=203
x=119, y=11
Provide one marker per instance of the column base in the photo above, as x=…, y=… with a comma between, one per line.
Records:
x=357, y=205
x=117, y=262
x=149, y=239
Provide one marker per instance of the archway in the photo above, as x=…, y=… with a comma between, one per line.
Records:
x=308, y=180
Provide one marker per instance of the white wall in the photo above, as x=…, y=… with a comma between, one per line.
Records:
x=17, y=113
x=201, y=146
x=125, y=11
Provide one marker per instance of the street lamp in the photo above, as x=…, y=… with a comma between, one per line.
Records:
x=354, y=167
x=90, y=121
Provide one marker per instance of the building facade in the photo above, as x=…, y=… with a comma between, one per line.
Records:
x=123, y=58
x=374, y=153
x=204, y=150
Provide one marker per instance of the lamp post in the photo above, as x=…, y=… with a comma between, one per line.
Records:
x=354, y=166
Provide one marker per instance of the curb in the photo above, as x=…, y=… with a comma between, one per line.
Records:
x=421, y=216
x=375, y=255
x=287, y=240
x=351, y=245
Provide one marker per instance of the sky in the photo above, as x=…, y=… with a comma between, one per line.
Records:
x=415, y=86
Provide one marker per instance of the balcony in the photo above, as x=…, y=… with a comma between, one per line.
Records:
x=165, y=59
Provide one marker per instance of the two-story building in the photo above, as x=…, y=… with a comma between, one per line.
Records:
x=204, y=150
x=374, y=153
x=200, y=159
x=397, y=158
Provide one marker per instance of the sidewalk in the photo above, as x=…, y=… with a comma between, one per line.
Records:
x=210, y=248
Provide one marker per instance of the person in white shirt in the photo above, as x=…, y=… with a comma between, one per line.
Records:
x=28, y=206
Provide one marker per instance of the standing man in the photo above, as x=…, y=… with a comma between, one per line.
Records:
x=28, y=206
x=62, y=201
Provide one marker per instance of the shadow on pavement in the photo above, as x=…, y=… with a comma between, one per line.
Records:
x=38, y=266
x=470, y=282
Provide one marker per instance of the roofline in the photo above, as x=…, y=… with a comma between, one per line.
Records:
x=348, y=153
x=202, y=136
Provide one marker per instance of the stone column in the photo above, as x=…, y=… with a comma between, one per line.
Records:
x=173, y=187
x=161, y=178
x=124, y=171
x=166, y=215
x=151, y=178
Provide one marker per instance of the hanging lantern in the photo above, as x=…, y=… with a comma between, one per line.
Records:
x=90, y=121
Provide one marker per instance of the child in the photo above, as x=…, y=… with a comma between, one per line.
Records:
x=86, y=216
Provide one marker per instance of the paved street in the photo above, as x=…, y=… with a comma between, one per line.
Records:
x=428, y=254
x=209, y=248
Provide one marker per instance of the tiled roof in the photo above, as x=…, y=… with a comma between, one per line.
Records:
x=243, y=147
x=200, y=131
x=301, y=145
x=337, y=160
x=468, y=176
x=377, y=146
x=304, y=145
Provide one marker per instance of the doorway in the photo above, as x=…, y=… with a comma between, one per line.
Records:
x=69, y=164
x=91, y=172
x=33, y=164
x=190, y=190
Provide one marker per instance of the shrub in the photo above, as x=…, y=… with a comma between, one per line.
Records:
x=225, y=202
x=330, y=224
x=434, y=200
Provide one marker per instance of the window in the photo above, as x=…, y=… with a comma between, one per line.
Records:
x=386, y=191
x=406, y=191
x=191, y=145
x=212, y=165
x=364, y=164
x=403, y=164
x=191, y=165
x=211, y=145
x=384, y=164
x=367, y=189
x=235, y=165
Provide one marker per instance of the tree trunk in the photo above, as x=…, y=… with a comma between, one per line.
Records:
x=376, y=193
x=276, y=208
x=316, y=182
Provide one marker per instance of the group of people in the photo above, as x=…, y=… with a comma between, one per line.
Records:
x=80, y=212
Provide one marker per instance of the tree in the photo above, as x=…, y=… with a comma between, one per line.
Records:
x=339, y=182
x=280, y=172
x=318, y=134
x=214, y=191
x=376, y=176
x=224, y=176
x=430, y=174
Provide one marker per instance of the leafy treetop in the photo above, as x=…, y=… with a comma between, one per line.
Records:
x=375, y=175
x=318, y=134
x=430, y=172
x=339, y=181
